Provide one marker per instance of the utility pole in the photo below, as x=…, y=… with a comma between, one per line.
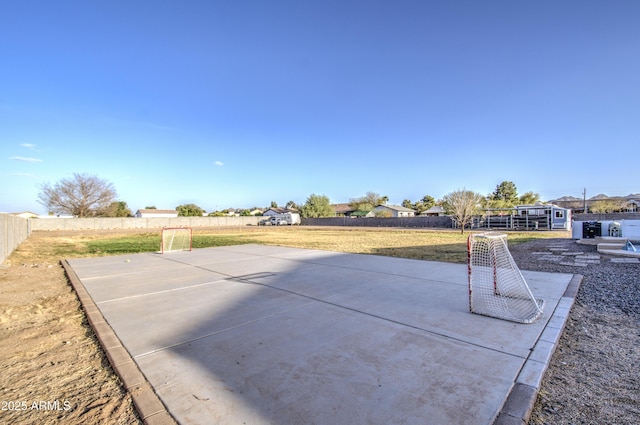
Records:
x=584, y=199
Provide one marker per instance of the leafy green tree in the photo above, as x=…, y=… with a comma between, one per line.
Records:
x=292, y=206
x=274, y=204
x=606, y=206
x=82, y=195
x=368, y=202
x=506, y=194
x=152, y=207
x=189, y=210
x=462, y=205
x=419, y=206
x=529, y=198
x=317, y=206
x=117, y=209
x=428, y=201
x=424, y=204
x=489, y=202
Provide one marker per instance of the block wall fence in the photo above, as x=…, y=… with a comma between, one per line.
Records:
x=106, y=223
x=16, y=229
x=110, y=223
x=609, y=216
x=441, y=222
x=13, y=231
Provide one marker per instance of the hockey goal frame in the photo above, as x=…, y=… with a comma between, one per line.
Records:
x=168, y=234
x=496, y=285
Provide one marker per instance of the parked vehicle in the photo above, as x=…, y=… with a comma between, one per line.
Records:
x=285, y=219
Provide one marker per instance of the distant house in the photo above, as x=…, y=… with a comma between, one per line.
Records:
x=26, y=214
x=556, y=217
x=342, y=210
x=274, y=211
x=150, y=213
x=394, y=211
x=362, y=213
x=434, y=211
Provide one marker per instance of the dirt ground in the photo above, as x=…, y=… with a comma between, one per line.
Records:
x=52, y=370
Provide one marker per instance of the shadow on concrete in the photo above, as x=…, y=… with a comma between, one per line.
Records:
x=255, y=334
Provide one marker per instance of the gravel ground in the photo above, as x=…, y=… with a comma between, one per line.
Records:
x=593, y=377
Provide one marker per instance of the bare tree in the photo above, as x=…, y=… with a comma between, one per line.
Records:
x=82, y=195
x=462, y=205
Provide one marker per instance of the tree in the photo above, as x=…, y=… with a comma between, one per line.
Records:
x=189, y=210
x=368, y=202
x=292, y=206
x=117, y=209
x=317, y=206
x=462, y=205
x=424, y=204
x=529, y=198
x=82, y=195
x=274, y=204
x=506, y=194
x=606, y=206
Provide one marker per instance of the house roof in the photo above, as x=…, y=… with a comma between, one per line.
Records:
x=434, y=209
x=25, y=214
x=396, y=208
x=282, y=210
x=342, y=208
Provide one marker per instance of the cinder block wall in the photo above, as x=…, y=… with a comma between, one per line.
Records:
x=104, y=223
x=441, y=222
x=14, y=230
x=610, y=216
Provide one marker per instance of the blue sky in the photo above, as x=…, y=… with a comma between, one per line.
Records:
x=237, y=104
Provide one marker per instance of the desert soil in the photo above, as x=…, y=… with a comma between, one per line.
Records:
x=53, y=371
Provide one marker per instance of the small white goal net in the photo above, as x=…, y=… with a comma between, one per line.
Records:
x=176, y=239
x=496, y=286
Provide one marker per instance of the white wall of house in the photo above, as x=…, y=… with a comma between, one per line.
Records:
x=395, y=210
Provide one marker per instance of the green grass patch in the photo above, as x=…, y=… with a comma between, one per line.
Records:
x=422, y=244
x=150, y=242
x=130, y=244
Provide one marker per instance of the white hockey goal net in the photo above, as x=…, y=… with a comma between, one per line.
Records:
x=176, y=239
x=496, y=286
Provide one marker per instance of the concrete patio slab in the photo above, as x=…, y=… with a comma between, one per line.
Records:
x=258, y=334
